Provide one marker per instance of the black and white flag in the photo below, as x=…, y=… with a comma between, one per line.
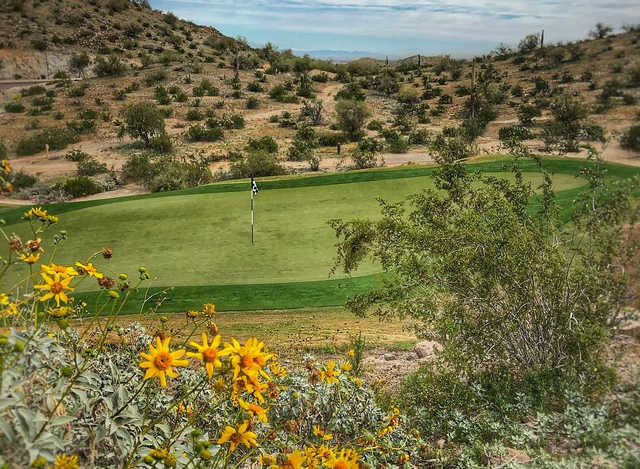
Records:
x=254, y=187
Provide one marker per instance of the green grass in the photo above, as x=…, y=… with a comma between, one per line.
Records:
x=197, y=240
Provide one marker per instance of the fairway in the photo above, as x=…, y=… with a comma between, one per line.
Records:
x=196, y=242
x=204, y=239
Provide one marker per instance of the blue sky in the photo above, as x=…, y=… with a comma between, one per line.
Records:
x=399, y=27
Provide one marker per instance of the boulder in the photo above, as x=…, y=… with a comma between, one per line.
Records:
x=426, y=348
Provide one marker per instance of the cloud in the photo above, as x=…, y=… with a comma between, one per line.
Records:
x=458, y=23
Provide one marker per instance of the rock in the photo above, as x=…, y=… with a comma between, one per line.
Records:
x=426, y=348
x=630, y=328
x=389, y=357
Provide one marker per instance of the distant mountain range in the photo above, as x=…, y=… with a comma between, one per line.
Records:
x=341, y=55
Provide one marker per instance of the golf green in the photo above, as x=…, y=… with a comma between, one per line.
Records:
x=199, y=240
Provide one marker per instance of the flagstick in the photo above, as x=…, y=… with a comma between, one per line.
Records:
x=252, y=214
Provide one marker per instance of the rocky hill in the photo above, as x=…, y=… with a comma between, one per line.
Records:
x=38, y=38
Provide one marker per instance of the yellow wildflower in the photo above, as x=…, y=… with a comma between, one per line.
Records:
x=346, y=367
x=4, y=299
x=56, y=286
x=209, y=309
x=65, y=462
x=89, y=270
x=207, y=353
x=237, y=436
x=351, y=353
x=294, y=460
x=317, y=431
x=254, y=409
x=345, y=459
x=10, y=310
x=60, y=311
x=58, y=269
x=160, y=361
x=247, y=358
x=329, y=373
x=32, y=258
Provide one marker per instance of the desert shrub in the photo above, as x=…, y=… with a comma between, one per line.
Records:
x=565, y=131
x=252, y=103
x=517, y=91
x=194, y=115
x=198, y=133
x=33, y=91
x=143, y=121
x=80, y=186
x=56, y=138
x=235, y=121
x=3, y=151
x=529, y=43
x=162, y=96
x=396, y=143
x=82, y=126
x=419, y=137
x=111, y=66
x=366, y=153
x=518, y=132
x=546, y=311
x=265, y=143
x=90, y=167
x=311, y=113
x=206, y=88
x=14, y=107
x=631, y=138
x=255, y=87
x=76, y=156
x=375, y=125
x=330, y=139
x=600, y=31
x=257, y=164
x=300, y=150
x=21, y=180
x=161, y=143
x=526, y=113
x=153, y=78
x=351, y=116
x=454, y=146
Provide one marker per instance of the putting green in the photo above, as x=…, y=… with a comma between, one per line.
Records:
x=204, y=239
x=196, y=242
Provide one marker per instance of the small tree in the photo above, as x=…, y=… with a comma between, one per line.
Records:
x=529, y=43
x=79, y=62
x=351, y=116
x=365, y=155
x=600, y=31
x=144, y=121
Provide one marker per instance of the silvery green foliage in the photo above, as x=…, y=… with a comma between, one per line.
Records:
x=61, y=393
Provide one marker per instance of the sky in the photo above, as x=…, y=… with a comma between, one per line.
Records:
x=399, y=28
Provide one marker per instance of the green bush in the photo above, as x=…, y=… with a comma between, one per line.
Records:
x=366, y=153
x=300, y=150
x=194, y=115
x=515, y=132
x=351, y=116
x=257, y=164
x=33, y=91
x=252, y=103
x=396, y=142
x=21, y=180
x=527, y=112
x=631, y=138
x=143, y=121
x=3, y=151
x=14, y=107
x=111, y=66
x=80, y=187
x=161, y=143
x=56, y=138
x=90, y=167
x=198, y=133
x=155, y=77
x=419, y=137
x=265, y=143
x=76, y=156
x=330, y=139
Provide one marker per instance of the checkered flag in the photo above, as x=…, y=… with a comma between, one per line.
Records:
x=254, y=187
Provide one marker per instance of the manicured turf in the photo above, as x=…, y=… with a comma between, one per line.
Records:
x=198, y=240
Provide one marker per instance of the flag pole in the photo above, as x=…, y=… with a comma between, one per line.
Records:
x=252, y=211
